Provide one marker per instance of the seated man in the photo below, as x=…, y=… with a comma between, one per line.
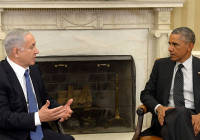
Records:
x=25, y=107
x=172, y=93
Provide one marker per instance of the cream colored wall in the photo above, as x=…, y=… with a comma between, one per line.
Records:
x=188, y=15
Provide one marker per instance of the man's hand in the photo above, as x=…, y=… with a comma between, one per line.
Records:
x=161, y=113
x=47, y=114
x=68, y=112
x=196, y=123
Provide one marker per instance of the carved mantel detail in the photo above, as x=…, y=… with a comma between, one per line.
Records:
x=77, y=18
x=162, y=18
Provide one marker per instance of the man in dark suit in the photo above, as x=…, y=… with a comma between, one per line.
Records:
x=172, y=93
x=25, y=107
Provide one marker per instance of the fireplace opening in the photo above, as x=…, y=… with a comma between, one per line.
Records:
x=103, y=89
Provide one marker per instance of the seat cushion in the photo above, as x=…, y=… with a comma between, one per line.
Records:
x=150, y=138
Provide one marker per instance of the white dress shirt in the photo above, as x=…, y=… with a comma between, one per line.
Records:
x=188, y=84
x=19, y=71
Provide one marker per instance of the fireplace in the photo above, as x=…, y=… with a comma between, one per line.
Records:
x=103, y=89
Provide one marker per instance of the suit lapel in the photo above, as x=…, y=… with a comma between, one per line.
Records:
x=36, y=86
x=170, y=69
x=196, y=80
x=14, y=82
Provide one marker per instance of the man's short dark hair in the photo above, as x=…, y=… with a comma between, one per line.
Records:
x=185, y=32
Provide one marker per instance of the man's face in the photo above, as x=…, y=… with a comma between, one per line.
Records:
x=179, y=49
x=28, y=52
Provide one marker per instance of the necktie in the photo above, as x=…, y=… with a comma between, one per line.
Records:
x=178, y=88
x=38, y=134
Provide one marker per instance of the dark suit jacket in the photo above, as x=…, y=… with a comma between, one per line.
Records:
x=15, y=120
x=157, y=89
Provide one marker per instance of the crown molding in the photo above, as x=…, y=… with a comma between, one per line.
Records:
x=90, y=4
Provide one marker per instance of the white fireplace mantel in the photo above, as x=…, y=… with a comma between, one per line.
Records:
x=91, y=4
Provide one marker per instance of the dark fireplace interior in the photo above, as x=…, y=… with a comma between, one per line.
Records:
x=103, y=89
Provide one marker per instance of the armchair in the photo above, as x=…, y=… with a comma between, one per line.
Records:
x=140, y=112
x=59, y=127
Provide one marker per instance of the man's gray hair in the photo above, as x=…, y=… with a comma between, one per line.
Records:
x=185, y=32
x=15, y=38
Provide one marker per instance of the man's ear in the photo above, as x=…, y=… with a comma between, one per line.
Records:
x=191, y=46
x=15, y=52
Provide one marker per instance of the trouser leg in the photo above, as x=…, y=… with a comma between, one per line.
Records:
x=178, y=125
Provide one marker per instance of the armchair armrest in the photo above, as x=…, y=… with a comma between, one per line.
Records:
x=59, y=127
x=141, y=110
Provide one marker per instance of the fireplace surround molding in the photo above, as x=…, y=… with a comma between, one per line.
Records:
x=152, y=17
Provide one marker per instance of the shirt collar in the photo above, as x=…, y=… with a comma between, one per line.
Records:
x=19, y=70
x=187, y=64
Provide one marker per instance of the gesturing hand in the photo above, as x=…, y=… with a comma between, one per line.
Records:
x=196, y=123
x=161, y=113
x=68, y=111
x=47, y=114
